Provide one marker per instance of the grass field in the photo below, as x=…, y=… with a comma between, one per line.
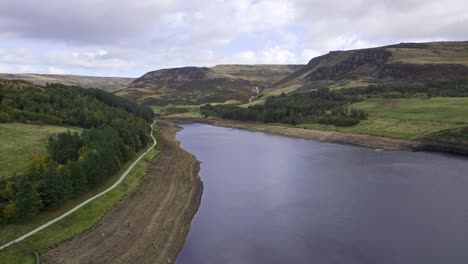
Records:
x=20, y=142
x=409, y=118
x=413, y=118
x=185, y=110
x=77, y=222
x=445, y=109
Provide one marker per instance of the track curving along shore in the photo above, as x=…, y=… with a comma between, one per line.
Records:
x=151, y=224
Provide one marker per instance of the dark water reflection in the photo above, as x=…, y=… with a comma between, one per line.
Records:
x=271, y=199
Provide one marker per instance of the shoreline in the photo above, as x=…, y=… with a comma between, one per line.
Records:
x=152, y=223
x=362, y=140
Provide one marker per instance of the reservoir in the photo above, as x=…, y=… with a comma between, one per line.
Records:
x=273, y=199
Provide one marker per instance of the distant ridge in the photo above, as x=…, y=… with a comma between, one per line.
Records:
x=109, y=84
x=199, y=85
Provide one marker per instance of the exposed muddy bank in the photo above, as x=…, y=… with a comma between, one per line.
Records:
x=151, y=224
x=336, y=137
x=317, y=135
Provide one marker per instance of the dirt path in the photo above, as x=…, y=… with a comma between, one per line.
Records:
x=317, y=135
x=151, y=224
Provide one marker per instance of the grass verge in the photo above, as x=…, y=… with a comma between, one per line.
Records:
x=76, y=223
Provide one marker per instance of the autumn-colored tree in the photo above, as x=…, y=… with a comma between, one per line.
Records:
x=9, y=213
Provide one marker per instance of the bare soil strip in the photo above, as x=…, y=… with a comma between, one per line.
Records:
x=151, y=224
x=317, y=135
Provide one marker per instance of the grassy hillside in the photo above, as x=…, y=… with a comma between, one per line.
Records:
x=263, y=75
x=439, y=109
x=108, y=84
x=21, y=142
x=431, y=53
x=200, y=85
x=407, y=118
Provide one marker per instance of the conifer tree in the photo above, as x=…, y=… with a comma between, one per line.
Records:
x=28, y=200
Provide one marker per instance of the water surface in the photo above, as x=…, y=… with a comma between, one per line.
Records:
x=272, y=199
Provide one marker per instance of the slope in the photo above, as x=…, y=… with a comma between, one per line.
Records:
x=401, y=63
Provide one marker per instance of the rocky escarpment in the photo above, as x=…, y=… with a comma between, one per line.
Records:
x=351, y=65
x=401, y=63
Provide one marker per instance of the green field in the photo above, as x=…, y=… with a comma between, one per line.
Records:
x=20, y=142
x=77, y=222
x=408, y=118
x=413, y=118
x=185, y=110
x=445, y=109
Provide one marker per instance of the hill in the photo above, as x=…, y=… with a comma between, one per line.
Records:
x=109, y=84
x=405, y=63
x=199, y=85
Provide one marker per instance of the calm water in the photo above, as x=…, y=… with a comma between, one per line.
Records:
x=271, y=199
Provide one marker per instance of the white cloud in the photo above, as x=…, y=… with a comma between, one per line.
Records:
x=133, y=37
x=54, y=70
x=277, y=55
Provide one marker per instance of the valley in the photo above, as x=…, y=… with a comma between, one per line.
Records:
x=233, y=132
x=403, y=97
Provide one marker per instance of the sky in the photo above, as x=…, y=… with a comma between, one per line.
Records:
x=129, y=38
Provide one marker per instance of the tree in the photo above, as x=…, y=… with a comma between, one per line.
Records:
x=9, y=213
x=4, y=117
x=79, y=180
x=28, y=200
x=64, y=146
x=53, y=189
x=9, y=192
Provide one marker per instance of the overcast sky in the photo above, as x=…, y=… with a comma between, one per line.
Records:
x=132, y=37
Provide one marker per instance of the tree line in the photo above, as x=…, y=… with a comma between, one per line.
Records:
x=446, y=88
x=115, y=130
x=58, y=104
x=325, y=106
x=322, y=106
